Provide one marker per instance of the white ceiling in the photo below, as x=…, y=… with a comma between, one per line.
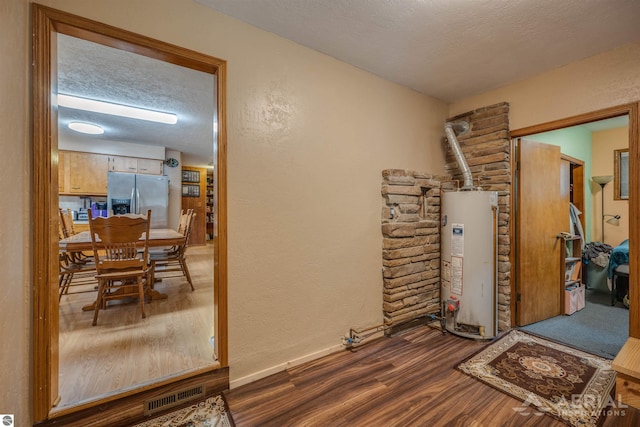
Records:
x=94, y=71
x=449, y=49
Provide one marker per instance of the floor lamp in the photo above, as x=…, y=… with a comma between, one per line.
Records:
x=604, y=180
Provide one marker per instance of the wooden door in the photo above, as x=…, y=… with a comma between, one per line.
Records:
x=542, y=213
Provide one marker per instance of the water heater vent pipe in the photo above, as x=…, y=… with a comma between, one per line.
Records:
x=450, y=129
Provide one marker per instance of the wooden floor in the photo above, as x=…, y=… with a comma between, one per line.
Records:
x=125, y=350
x=406, y=380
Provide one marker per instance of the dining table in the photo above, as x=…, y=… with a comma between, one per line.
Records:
x=158, y=237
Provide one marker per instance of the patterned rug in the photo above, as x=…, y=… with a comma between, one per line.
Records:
x=549, y=378
x=212, y=412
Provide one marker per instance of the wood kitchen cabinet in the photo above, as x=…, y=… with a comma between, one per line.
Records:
x=135, y=165
x=83, y=173
x=61, y=172
x=123, y=164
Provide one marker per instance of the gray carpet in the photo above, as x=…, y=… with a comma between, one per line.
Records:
x=598, y=328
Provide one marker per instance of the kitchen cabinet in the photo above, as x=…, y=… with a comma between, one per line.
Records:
x=61, y=171
x=135, y=165
x=150, y=166
x=84, y=173
x=123, y=164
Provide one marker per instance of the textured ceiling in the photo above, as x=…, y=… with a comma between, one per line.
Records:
x=90, y=70
x=449, y=49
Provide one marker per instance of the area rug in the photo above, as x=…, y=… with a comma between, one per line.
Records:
x=212, y=412
x=549, y=378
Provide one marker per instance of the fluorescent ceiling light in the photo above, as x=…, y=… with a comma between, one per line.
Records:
x=86, y=104
x=86, y=128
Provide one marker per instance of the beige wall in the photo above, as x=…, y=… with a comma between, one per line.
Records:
x=308, y=137
x=602, y=81
x=15, y=216
x=603, y=144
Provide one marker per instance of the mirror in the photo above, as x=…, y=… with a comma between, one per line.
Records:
x=52, y=363
x=181, y=324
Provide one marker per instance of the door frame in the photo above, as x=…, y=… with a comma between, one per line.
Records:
x=46, y=23
x=633, y=111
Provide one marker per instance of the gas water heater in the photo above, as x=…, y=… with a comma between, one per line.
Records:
x=469, y=255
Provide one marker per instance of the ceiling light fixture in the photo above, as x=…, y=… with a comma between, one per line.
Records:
x=86, y=128
x=86, y=104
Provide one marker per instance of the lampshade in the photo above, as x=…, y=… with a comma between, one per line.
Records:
x=602, y=179
x=614, y=220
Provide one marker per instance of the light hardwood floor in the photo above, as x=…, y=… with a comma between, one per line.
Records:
x=125, y=350
x=406, y=380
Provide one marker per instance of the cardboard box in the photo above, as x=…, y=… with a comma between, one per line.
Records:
x=574, y=298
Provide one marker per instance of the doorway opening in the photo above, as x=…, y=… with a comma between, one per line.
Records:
x=48, y=24
x=586, y=149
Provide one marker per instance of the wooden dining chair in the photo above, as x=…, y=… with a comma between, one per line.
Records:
x=75, y=268
x=67, y=229
x=174, y=258
x=123, y=270
x=185, y=218
x=81, y=276
x=66, y=222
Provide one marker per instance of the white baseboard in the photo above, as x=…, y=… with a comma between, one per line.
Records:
x=284, y=366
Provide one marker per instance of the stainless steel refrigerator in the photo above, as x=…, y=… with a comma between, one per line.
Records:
x=135, y=193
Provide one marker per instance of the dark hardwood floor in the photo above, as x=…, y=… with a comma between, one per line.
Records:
x=406, y=380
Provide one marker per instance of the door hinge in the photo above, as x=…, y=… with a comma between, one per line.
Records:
x=518, y=297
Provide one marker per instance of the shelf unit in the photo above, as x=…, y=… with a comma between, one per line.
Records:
x=573, y=289
x=210, y=206
x=193, y=197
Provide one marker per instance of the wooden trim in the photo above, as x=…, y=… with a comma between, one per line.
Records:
x=512, y=232
x=633, y=110
x=220, y=225
x=634, y=222
x=45, y=179
x=571, y=159
x=97, y=32
x=127, y=409
x=581, y=119
x=576, y=167
x=46, y=23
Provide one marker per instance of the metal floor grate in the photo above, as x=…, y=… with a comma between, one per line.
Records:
x=171, y=400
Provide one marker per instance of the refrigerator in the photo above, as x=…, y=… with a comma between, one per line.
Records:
x=135, y=193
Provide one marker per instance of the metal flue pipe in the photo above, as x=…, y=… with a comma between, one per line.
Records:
x=450, y=129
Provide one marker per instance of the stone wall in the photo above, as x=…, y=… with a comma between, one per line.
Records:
x=487, y=148
x=411, y=216
x=411, y=244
